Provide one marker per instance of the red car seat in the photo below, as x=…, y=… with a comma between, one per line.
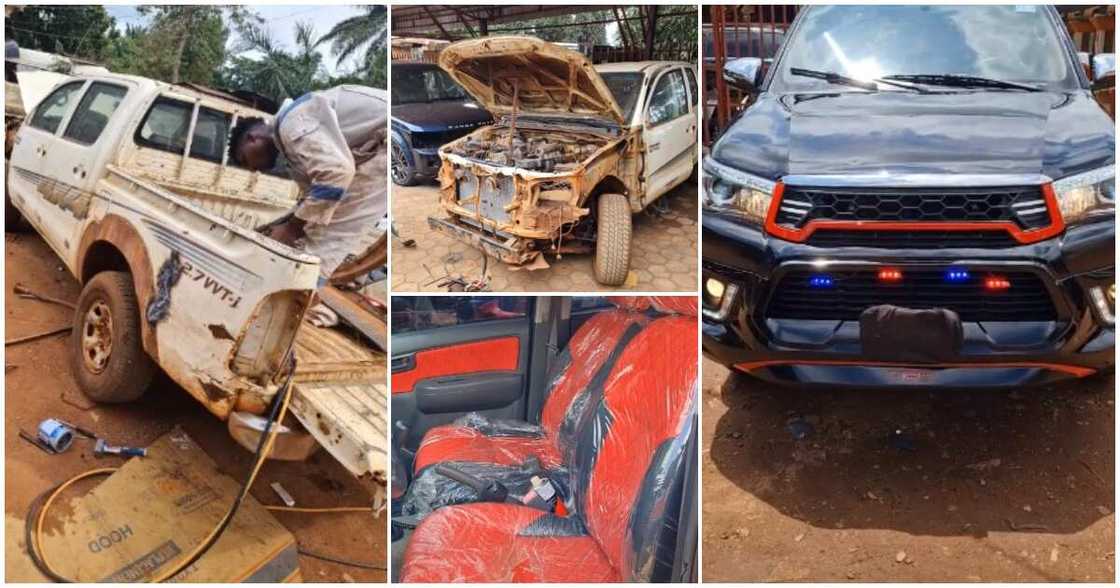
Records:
x=626, y=478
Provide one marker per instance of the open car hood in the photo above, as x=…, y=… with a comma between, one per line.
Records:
x=547, y=79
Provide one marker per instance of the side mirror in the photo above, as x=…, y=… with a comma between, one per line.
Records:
x=743, y=73
x=1104, y=65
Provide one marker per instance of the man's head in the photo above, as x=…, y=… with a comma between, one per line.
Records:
x=251, y=145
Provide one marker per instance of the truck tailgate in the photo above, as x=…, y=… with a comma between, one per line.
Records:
x=339, y=396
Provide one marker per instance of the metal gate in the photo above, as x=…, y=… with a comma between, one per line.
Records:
x=729, y=32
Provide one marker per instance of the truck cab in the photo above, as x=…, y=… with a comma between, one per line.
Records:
x=129, y=181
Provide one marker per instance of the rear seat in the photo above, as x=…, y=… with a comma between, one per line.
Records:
x=627, y=473
x=513, y=451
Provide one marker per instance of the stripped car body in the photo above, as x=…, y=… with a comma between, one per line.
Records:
x=134, y=177
x=519, y=188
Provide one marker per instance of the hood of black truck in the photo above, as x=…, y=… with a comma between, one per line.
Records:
x=888, y=132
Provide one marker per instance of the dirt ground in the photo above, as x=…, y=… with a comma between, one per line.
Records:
x=39, y=385
x=979, y=486
x=663, y=254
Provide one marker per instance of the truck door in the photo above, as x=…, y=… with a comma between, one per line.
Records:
x=28, y=158
x=72, y=162
x=64, y=135
x=670, y=133
x=458, y=354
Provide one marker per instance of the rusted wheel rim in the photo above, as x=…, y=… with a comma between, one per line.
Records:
x=400, y=165
x=97, y=337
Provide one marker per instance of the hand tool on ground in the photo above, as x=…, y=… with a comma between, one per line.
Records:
x=102, y=448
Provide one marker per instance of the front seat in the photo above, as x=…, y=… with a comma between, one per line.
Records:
x=626, y=478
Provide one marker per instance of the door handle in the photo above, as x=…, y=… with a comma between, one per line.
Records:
x=654, y=147
x=402, y=363
x=41, y=150
x=80, y=170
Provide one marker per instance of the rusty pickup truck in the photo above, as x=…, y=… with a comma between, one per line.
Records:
x=576, y=150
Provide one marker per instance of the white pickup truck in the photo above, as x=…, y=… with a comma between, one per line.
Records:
x=129, y=182
x=576, y=150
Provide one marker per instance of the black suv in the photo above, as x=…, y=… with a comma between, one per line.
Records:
x=429, y=109
x=919, y=195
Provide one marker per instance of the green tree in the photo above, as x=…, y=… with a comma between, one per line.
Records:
x=75, y=31
x=189, y=38
x=277, y=73
x=363, y=34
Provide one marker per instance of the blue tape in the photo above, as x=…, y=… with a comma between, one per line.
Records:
x=326, y=192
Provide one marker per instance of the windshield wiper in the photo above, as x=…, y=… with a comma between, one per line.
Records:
x=959, y=81
x=835, y=78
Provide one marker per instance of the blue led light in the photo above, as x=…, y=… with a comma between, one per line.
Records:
x=954, y=274
x=820, y=281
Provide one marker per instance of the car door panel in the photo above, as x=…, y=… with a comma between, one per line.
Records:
x=441, y=373
x=670, y=142
x=464, y=393
x=457, y=359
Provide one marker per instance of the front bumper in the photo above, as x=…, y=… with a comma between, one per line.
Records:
x=1077, y=343
x=506, y=248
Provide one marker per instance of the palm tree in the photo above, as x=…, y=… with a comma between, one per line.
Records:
x=363, y=33
x=277, y=73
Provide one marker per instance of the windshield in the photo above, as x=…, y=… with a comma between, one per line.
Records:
x=424, y=84
x=1008, y=43
x=624, y=86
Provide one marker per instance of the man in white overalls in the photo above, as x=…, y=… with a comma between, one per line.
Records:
x=334, y=142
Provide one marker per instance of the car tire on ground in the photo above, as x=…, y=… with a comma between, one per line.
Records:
x=612, y=243
x=108, y=357
x=403, y=172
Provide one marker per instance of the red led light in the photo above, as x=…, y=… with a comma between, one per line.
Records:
x=996, y=283
x=890, y=275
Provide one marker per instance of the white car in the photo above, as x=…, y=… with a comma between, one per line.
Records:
x=129, y=182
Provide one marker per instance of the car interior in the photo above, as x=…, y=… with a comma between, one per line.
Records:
x=544, y=439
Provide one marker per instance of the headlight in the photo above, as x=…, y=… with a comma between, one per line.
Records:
x=729, y=190
x=1087, y=196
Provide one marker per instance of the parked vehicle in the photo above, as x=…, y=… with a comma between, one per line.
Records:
x=576, y=151
x=918, y=196
x=429, y=110
x=548, y=439
x=128, y=181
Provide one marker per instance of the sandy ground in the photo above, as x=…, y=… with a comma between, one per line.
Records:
x=39, y=385
x=990, y=486
x=663, y=254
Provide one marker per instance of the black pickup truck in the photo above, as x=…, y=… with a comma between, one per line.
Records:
x=917, y=196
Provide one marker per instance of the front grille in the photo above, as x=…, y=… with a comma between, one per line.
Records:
x=912, y=239
x=493, y=194
x=853, y=291
x=1024, y=206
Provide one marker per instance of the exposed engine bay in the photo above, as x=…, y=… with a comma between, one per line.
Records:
x=528, y=149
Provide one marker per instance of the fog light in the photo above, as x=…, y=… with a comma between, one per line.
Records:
x=719, y=299
x=1104, y=302
x=715, y=289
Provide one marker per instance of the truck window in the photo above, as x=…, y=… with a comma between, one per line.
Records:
x=669, y=100
x=92, y=116
x=419, y=313
x=210, y=134
x=168, y=121
x=692, y=87
x=50, y=112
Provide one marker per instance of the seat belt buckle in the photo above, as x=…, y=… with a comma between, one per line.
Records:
x=542, y=495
